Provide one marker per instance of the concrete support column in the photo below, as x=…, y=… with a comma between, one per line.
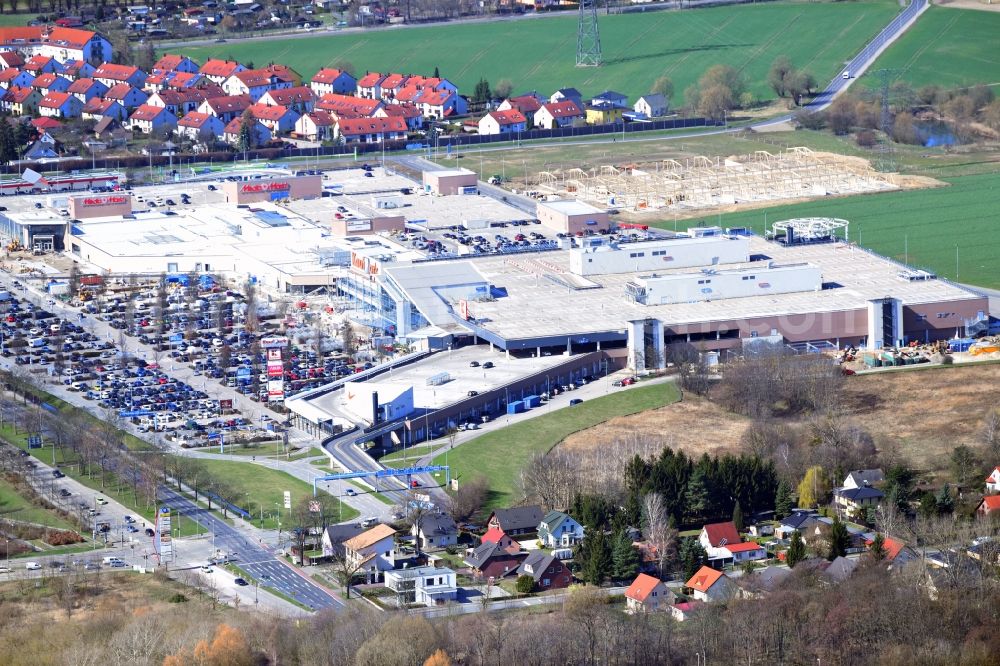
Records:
x=538, y=352
x=569, y=346
x=598, y=345
x=659, y=350
x=637, y=345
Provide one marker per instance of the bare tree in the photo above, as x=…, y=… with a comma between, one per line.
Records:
x=659, y=531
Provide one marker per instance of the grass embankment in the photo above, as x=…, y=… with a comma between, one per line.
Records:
x=946, y=229
x=407, y=457
x=263, y=487
x=637, y=47
x=499, y=455
x=14, y=506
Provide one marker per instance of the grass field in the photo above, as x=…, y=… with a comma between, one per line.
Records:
x=499, y=455
x=264, y=487
x=404, y=458
x=14, y=506
x=950, y=230
x=540, y=53
x=948, y=47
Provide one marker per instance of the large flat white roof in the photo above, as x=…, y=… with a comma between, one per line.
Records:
x=571, y=207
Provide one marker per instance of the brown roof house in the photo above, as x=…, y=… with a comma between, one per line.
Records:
x=371, y=552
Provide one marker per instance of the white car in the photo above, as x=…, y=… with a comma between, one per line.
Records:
x=32, y=566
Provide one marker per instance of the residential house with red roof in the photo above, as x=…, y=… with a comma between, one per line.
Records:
x=157, y=82
x=227, y=107
x=497, y=535
x=111, y=74
x=526, y=104
x=178, y=103
x=173, y=62
x=21, y=101
x=47, y=83
x=708, y=584
x=60, y=105
x=316, y=126
x=98, y=108
x=11, y=59
x=348, y=106
x=278, y=119
x=128, y=96
x=87, y=89
x=218, y=71
x=256, y=82
x=558, y=114
x=78, y=69
x=683, y=611
x=196, y=126
x=11, y=78
x=408, y=112
x=441, y=104
x=38, y=65
x=993, y=482
x=260, y=134
x=503, y=122
x=371, y=130
x=300, y=98
x=369, y=86
x=185, y=80
x=149, y=119
x=647, y=594
x=329, y=80
x=988, y=506
x=715, y=537
x=56, y=42
x=392, y=84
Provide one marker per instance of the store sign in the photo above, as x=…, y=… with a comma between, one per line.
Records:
x=252, y=188
x=359, y=225
x=163, y=544
x=104, y=201
x=274, y=342
x=363, y=264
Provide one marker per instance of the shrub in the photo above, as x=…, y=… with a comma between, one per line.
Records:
x=865, y=138
x=62, y=538
x=177, y=598
x=525, y=584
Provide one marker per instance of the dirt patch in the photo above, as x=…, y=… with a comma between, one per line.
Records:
x=921, y=414
x=694, y=425
x=970, y=4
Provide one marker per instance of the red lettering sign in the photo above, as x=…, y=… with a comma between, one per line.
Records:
x=265, y=187
x=104, y=201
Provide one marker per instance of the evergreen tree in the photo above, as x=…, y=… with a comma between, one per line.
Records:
x=877, y=550
x=245, y=138
x=783, y=500
x=738, y=517
x=928, y=505
x=625, y=558
x=943, y=501
x=481, y=93
x=598, y=559
x=840, y=540
x=696, y=497
x=437, y=74
x=692, y=556
x=796, y=550
x=8, y=147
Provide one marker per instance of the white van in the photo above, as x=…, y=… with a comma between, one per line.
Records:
x=32, y=566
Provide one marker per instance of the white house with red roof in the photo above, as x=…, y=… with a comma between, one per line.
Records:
x=526, y=104
x=38, y=65
x=648, y=594
x=278, y=119
x=408, y=112
x=559, y=114
x=441, y=104
x=226, y=108
x=149, y=119
x=60, y=105
x=993, y=482
x=173, y=62
x=128, y=96
x=716, y=536
x=989, y=505
x=87, y=89
x=219, y=71
x=371, y=130
x=11, y=59
x=299, y=98
x=11, y=78
x=256, y=82
x=231, y=133
x=177, y=102
x=503, y=122
x=97, y=108
x=47, y=83
x=316, y=126
x=56, y=42
x=185, y=80
x=21, y=101
x=78, y=69
x=195, y=126
x=111, y=74
x=369, y=86
x=348, y=105
x=329, y=80
x=708, y=584
x=157, y=82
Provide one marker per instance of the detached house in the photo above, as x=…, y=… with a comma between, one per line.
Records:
x=226, y=108
x=503, y=122
x=256, y=82
x=334, y=537
x=724, y=546
x=15, y=78
x=519, y=520
x=708, y=584
x=371, y=552
x=316, y=126
x=798, y=520
x=219, y=71
x=278, y=119
x=111, y=75
x=185, y=81
x=128, y=96
x=548, y=572
x=648, y=594
x=993, y=482
x=299, y=99
x=854, y=502
x=408, y=112
x=87, y=89
x=47, y=83
x=567, y=95
x=11, y=60
x=176, y=102
x=371, y=130
x=196, y=126
x=428, y=586
x=38, y=65
x=328, y=80
x=440, y=104
x=526, y=104
x=149, y=119
x=60, y=105
x=435, y=531
x=558, y=114
x=652, y=105
x=231, y=133
x=559, y=530
x=21, y=101
x=989, y=506
x=175, y=63
x=78, y=69
x=492, y=560
x=98, y=108
x=863, y=478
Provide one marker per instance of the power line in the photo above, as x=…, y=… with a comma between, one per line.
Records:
x=588, y=37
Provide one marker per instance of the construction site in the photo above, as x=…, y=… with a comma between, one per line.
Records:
x=698, y=183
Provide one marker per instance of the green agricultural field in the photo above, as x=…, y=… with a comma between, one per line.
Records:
x=264, y=487
x=499, y=455
x=923, y=226
x=539, y=54
x=947, y=47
